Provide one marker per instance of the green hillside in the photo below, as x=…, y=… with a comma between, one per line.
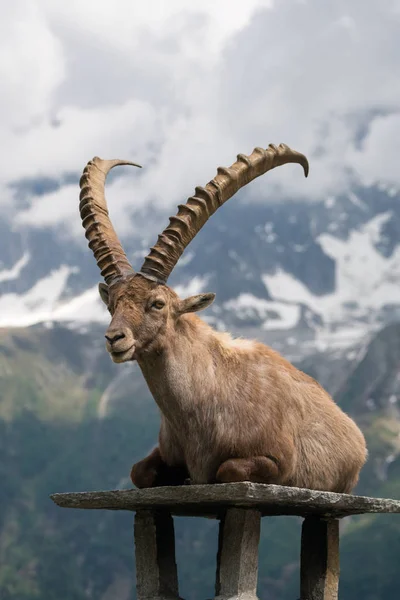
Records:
x=72, y=420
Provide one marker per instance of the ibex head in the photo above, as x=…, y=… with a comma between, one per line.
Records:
x=143, y=307
x=143, y=315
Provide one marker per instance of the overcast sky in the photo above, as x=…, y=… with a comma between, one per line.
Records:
x=182, y=87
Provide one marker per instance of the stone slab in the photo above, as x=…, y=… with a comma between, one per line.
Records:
x=212, y=500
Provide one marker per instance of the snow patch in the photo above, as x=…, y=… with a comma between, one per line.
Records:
x=354, y=199
x=15, y=271
x=330, y=202
x=366, y=282
x=42, y=303
x=245, y=305
x=299, y=247
x=333, y=226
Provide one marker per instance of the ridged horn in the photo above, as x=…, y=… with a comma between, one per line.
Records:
x=103, y=240
x=193, y=215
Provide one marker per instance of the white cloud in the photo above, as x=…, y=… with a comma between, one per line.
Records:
x=378, y=160
x=31, y=67
x=183, y=87
x=312, y=74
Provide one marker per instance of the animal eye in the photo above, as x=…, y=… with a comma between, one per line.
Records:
x=158, y=304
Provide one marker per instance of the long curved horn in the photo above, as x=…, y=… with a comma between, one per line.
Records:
x=103, y=240
x=191, y=216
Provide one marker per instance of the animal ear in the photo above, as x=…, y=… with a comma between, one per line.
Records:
x=196, y=303
x=103, y=291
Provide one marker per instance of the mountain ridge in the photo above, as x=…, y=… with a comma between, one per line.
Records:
x=309, y=275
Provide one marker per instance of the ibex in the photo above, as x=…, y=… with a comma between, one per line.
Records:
x=231, y=409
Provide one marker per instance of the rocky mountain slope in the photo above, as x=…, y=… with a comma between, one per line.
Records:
x=304, y=276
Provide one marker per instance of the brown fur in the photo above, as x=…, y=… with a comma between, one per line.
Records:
x=231, y=409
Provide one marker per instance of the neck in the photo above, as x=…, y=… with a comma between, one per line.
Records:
x=175, y=372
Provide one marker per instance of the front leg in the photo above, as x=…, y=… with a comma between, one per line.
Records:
x=153, y=471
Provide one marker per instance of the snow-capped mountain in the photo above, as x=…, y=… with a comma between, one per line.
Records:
x=299, y=275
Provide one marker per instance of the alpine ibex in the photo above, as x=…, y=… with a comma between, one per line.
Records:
x=231, y=409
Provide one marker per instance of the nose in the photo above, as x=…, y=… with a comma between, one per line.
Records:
x=119, y=338
x=113, y=336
